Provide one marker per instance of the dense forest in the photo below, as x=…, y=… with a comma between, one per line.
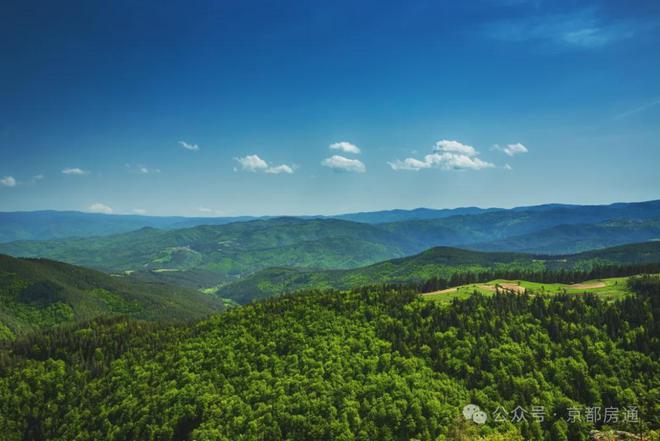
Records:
x=368, y=364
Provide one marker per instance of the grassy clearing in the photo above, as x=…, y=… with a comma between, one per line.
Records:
x=610, y=289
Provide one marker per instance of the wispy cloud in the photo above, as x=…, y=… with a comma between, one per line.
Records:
x=447, y=155
x=346, y=147
x=139, y=211
x=188, y=146
x=75, y=171
x=254, y=164
x=211, y=211
x=341, y=163
x=141, y=169
x=8, y=181
x=98, y=207
x=583, y=29
x=511, y=149
x=640, y=109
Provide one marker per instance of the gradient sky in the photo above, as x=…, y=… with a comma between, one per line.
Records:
x=227, y=108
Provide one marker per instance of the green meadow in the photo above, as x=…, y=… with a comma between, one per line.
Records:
x=610, y=289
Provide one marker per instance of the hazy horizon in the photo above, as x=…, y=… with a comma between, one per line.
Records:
x=212, y=215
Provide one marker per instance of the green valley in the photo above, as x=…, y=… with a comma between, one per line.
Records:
x=216, y=254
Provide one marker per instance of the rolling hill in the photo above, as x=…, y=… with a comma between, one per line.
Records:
x=46, y=225
x=576, y=238
x=210, y=256
x=384, y=216
x=221, y=253
x=463, y=231
x=436, y=262
x=39, y=293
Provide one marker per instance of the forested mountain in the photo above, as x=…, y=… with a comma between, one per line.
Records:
x=438, y=262
x=50, y=224
x=207, y=256
x=366, y=365
x=44, y=225
x=218, y=254
x=464, y=231
x=39, y=293
x=379, y=217
x=578, y=237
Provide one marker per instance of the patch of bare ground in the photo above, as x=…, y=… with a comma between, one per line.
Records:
x=443, y=291
x=513, y=288
x=588, y=285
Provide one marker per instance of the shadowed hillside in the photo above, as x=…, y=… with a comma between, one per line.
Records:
x=39, y=293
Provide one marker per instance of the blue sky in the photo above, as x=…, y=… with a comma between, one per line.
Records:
x=275, y=107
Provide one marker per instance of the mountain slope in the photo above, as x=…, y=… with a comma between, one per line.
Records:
x=38, y=293
x=487, y=227
x=225, y=252
x=436, y=262
x=576, y=238
x=46, y=225
x=364, y=365
x=379, y=217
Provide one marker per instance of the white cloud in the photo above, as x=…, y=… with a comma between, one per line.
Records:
x=346, y=147
x=409, y=164
x=511, y=149
x=8, y=181
x=447, y=155
x=187, y=146
x=139, y=211
x=206, y=210
x=507, y=167
x=341, y=163
x=454, y=147
x=75, y=171
x=98, y=207
x=36, y=178
x=254, y=164
x=276, y=170
x=141, y=169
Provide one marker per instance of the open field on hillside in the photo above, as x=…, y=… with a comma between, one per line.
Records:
x=611, y=289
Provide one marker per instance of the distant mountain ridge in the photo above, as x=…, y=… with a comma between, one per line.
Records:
x=474, y=230
x=577, y=237
x=208, y=256
x=51, y=224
